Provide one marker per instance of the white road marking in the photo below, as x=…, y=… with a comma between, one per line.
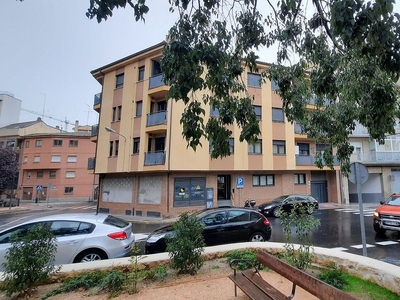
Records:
x=361, y=246
x=385, y=243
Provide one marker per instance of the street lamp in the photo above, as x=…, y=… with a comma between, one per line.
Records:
x=109, y=129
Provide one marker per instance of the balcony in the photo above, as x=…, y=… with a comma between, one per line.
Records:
x=154, y=158
x=156, y=118
x=157, y=87
x=97, y=102
x=94, y=133
x=309, y=160
x=388, y=157
x=91, y=163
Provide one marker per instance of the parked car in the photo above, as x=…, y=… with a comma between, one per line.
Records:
x=80, y=237
x=6, y=202
x=286, y=202
x=387, y=215
x=222, y=225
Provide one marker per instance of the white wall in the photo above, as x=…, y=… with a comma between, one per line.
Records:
x=10, y=109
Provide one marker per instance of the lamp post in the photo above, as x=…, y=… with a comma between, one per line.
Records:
x=109, y=129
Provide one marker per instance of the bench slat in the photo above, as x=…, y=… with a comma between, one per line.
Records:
x=249, y=289
x=264, y=286
x=309, y=283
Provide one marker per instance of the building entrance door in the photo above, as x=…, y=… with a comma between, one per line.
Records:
x=224, y=190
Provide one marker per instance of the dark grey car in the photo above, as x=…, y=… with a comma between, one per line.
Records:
x=287, y=202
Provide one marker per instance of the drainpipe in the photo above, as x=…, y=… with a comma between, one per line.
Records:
x=169, y=153
x=95, y=157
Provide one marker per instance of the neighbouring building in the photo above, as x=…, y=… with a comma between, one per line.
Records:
x=55, y=167
x=10, y=108
x=146, y=169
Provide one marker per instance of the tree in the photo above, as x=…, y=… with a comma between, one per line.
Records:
x=9, y=169
x=29, y=260
x=344, y=58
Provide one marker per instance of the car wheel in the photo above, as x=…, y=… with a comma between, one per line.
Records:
x=378, y=229
x=257, y=237
x=276, y=212
x=90, y=255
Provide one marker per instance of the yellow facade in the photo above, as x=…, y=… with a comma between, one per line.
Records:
x=143, y=178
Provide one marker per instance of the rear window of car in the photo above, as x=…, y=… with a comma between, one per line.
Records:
x=115, y=221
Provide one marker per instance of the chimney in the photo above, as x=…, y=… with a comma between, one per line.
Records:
x=76, y=126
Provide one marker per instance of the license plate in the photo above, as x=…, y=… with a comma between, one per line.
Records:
x=391, y=223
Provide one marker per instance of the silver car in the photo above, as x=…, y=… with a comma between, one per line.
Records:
x=80, y=237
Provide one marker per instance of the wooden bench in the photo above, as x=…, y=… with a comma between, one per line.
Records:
x=255, y=287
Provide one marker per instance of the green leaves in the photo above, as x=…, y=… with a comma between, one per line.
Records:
x=335, y=69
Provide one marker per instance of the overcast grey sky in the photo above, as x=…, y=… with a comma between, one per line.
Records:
x=49, y=47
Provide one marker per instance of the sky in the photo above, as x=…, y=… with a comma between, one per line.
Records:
x=49, y=47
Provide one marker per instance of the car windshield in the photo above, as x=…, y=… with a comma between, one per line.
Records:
x=280, y=198
x=394, y=200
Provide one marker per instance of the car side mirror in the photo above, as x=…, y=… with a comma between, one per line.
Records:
x=382, y=202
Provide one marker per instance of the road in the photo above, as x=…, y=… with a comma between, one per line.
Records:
x=340, y=229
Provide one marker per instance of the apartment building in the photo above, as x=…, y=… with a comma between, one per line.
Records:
x=382, y=162
x=10, y=108
x=55, y=167
x=146, y=168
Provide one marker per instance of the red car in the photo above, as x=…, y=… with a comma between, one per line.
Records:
x=387, y=216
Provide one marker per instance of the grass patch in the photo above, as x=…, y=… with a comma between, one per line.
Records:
x=367, y=290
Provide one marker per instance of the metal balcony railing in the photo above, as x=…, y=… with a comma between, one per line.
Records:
x=97, y=99
x=156, y=81
x=154, y=158
x=95, y=130
x=309, y=160
x=156, y=118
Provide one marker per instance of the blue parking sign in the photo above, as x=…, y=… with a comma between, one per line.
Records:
x=239, y=182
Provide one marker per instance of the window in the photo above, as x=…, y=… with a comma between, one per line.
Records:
x=116, y=148
x=254, y=80
x=39, y=174
x=277, y=115
x=110, y=153
x=279, y=147
x=70, y=174
x=231, y=142
x=36, y=159
x=189, y=191
x=72, y=158
x=238, y=216
x=274, y=85
x=119, y=112
x=114, y=112
x=56, y=158
x=73, y=143
x=26, y=144
x=57, y=143
x=304, y=149
x=10, y=144
x=263, y=180
x=141, y=73
x=136, y=144
x=257, y=111
x=38, y=143
x=119, y=81
x=25, y=159
x=139, y=105
x=28, y=175
x=255, y=148
x=214, y=112
x=68, y=190
x=299, y=178
x=52, y=174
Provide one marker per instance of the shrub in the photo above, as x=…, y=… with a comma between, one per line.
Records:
x=29, y=260
x=247, y=258
x=113, y=283
x=301, y=223
x=333, y=276
x=186, y=245
x=136, y=275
